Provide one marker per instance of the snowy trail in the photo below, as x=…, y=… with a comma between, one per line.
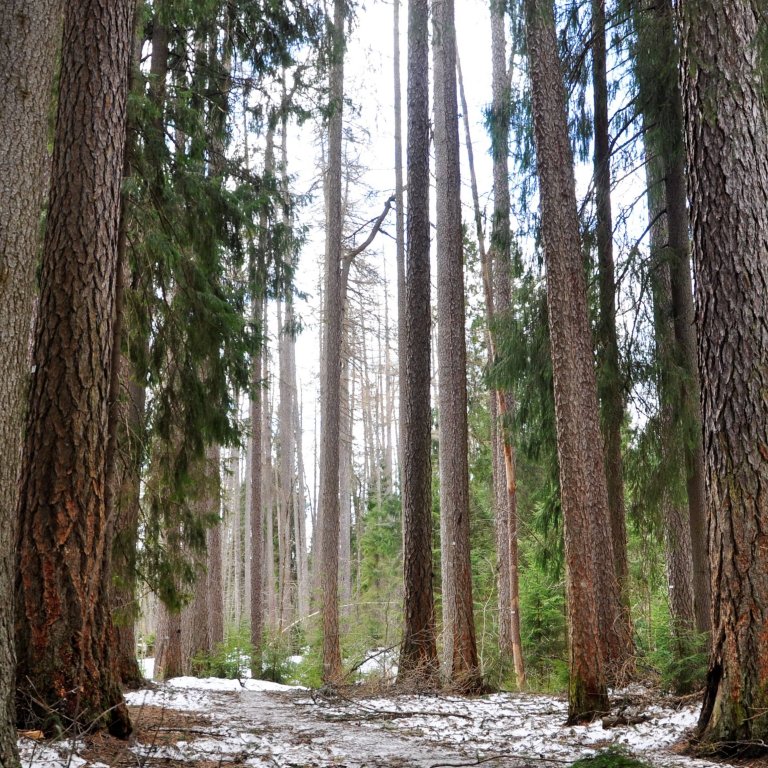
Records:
x=257, y=724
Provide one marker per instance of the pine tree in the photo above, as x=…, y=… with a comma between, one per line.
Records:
x=418, y=652
x=27, y=55
x=66, y=668
x=726, y=120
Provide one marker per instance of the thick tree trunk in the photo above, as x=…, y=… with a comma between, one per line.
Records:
x=28, y=47
x=582, y=475
x=418, y=652
x=64, y=626
x=330, y=424
x=726, y=120
x=451, y=350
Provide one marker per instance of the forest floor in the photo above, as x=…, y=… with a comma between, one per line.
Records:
x=215, y=723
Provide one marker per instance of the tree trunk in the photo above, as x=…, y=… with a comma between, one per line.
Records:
x=418, y=652
x=582, y=475
x=609, y=373
x=330, y=418
x=215, y=596
x=400, y=238
x=257, y=520
x=28, y=47
x=451, y=351
x=286, y=475
x=168, y=645
x=63, y=622
x=726, y=120
x=677, y=531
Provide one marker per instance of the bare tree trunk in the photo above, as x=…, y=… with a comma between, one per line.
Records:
x=418, y=652
x=582, y=475
x=451, y=350
x=609, y=379
x=29, y=34
x=301, y=519
x=286, y=472
x=64, y=627
x=726, y=120
x=496, y=268
x=215, y=596
x=345, y=475
x=330, y=419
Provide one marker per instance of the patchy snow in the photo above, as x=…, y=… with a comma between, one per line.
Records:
x=257, y=724
x=36, y=754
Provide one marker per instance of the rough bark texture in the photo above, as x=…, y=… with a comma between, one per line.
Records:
x=451, y=352
x=331, y=423
x=582, y=476
x=64, y=628
x=726, y=121
x=611, y=396
x=215, y=595
x=28, y=44
x=418, y=652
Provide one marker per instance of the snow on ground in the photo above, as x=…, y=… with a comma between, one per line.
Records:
x=254, y=724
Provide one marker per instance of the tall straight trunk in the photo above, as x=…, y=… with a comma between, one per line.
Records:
x=330, y=414
x=496, y=275
x=662, y=104
x=583, y=490
x=28, y=47
x=301, y=518
x=286, y=472
x=452, y=355
x=268, y=554
x=418, y=651
x=256, y=509
x=609, y=378
x=215, y=596
x=128, y=487
x=64, y=627
x=726, y=120
x=677, y=531
x=233, y=505
x=346, y=396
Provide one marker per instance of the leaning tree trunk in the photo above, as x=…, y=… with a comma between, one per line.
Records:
x=582, y=475
x=418, y=652
x=64, y=626
x=726, y=118
x=452, y=357
x=28, y=47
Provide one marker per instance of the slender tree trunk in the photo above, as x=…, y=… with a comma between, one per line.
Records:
x=582, y=475
x=330, y=424
x=345, y=475
x=726, y=119
x=677, y=531
x=215, y=582
x=64, y=628
x=257, y=520
x=451, y=351
x=286, y=472
x=301, y=519
x=28, y=47
x=609, y=379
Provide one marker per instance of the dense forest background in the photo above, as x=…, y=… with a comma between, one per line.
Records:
x=323, y=337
